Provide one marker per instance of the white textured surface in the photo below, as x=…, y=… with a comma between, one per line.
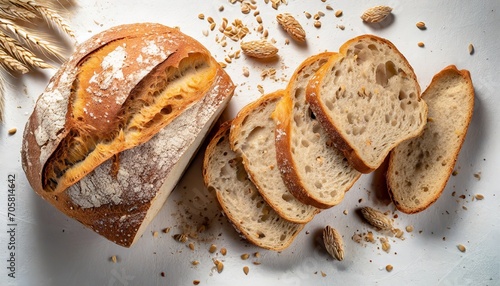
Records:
x=54, y=250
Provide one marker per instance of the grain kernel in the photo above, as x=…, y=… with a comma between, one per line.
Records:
x=421, y=25
x=246, y=270
x=338, y=13
x=389, y=267
x=317, y=24
x=421, y=44
x=12, y=131
x=461, y=247
x=212, y=248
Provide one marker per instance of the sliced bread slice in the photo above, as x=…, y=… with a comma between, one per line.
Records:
x=368, y=99
x=420, y=168
x=252, y=137
x=250, y=215
x=314, y=171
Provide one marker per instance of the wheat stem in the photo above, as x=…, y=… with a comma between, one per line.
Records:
x=11, y=63
x=2, y=97
x=29, y=38
x=20, y=53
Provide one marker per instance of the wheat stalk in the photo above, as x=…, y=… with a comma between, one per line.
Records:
x=50, y=15
x=31, y=38
x=11, y=63
x=20, y=53
x=2, y=97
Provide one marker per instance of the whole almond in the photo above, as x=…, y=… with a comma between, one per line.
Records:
x=376, y=14
x=259, y=49
x=333, y=243
x=376, y=218
x=292, y=27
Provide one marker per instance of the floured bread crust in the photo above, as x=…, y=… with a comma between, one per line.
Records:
x=119, y=122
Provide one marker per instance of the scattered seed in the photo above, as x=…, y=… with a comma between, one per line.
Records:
x=345, y=212
x=398, y=233
x=180, y=237
x=409, y=228
x=221, y=8
x=195, y=262
x=191, y=246
x=212, y=248
x=338, y=13
x=333, y=243
x=421, y=25
x=246, y=270
x=369, y=237
x=196, y=282
x=316, y=16
x=389, y=268
x=223, y=251
x=201, y=16
x=321, y=13
x=219, y=265
x=455, y=172
x=323, y=274
x=246, y=72
x=329, y=7
x=257, y=263
x=114, y=259
x=155, y=234
x=385, y=244
x=356, y=238
x=12, y=131
x=471, y=49
x=308, y=15
x=421, y=44
x=205, y=33
x=461, y=247
x=476, y=175
x=376, y=14
x=256, y=254
x=479, y=197
x=341, y=27
x=259, y=19
x=210, y=20
x=376, y=218
x=212, y=26
x=317, y=24
x=245, y=256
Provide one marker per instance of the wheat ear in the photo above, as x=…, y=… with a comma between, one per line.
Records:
x=12, y=12
x=50, y=15
x=31, y=38
x=20, y=53
x=11, y=63
x=2, y=97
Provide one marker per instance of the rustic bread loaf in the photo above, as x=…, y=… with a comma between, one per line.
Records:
x=314, y=171
x=368, y=99
x=252, y=137
x=419, y=168
x=248, y=212
x=146, y=86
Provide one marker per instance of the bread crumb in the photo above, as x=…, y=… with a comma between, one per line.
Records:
x=476, y=175
x=323, y=274
x=155, y=234
x=166, y=230
x=114, y=259
x=345, y=212
x=409, y=228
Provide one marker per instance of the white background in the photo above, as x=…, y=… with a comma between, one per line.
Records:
x=55, y=250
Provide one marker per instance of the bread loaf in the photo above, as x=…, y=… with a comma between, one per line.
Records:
x=251, y=216
x=252, y=137
x=368, y=99
x=314, y=171
x=419, y=168
x=118, y=123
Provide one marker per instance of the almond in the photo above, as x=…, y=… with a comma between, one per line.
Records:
x=292, y=27
x=376, y=218
x=376, y=14
x=333, y=243
x=259, y=49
